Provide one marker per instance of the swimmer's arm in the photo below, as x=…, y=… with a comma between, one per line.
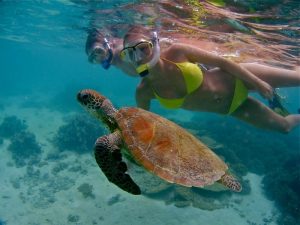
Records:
x=198, y=55
x=143, y=95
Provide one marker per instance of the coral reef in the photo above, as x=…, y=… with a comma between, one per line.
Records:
x=247, y=148
x=56, y=156
x=40, y=186
x=78, y=134
x=24, y=148
x=86, y=190
x=73, y=218
x=282, y=184
x=60, y=166
x=115, y=199
x=245, y=142
x=78, y=169
x=11, y=125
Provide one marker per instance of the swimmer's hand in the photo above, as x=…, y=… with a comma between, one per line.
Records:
x=265, y=90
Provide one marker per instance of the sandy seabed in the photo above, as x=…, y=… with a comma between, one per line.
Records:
x=48, y=193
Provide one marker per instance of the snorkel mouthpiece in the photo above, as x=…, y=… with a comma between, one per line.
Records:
x=143, y=70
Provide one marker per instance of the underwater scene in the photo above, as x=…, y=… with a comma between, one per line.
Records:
x=72, y=156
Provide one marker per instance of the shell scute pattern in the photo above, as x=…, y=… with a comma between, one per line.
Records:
x=155, y=143
x=167, y=150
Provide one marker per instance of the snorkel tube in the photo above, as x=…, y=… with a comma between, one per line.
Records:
x=107, y=61
x=143, y=70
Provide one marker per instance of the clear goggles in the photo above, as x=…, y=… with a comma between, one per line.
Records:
x=137, y=52
x=102, y=54
x=97, y=54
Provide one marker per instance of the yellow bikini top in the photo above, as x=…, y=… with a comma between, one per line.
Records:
x=193, y=78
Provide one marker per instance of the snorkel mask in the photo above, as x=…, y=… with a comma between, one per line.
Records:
x=106, y=62
x=135, y=53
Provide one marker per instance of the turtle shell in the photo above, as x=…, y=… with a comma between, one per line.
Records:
x=168, y=150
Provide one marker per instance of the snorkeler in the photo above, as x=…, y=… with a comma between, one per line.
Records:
x=176, y=80
x=105, y=50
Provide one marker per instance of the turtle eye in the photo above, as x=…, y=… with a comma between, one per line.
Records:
x=84, y=96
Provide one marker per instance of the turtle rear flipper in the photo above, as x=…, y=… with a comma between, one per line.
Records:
x=230, y=182
x=109, y=158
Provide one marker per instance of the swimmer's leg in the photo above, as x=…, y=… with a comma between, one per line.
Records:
x=275, y=76
x=254, y=112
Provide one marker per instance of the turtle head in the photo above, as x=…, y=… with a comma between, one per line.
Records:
x=90, y=99
x=99, y=106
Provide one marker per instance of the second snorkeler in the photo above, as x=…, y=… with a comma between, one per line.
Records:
x=173, y=76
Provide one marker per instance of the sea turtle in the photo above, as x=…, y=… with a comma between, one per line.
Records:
x=155, y=143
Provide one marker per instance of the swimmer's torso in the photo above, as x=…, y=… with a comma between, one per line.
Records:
x=214, y=94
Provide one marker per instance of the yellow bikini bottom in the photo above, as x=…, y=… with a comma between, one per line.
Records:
x=240, y=95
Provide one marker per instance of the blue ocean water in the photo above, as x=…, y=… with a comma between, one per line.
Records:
x=49, y=175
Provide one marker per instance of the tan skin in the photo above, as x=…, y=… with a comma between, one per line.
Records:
x=217, y=89
x=116, y=45
x=216, y=92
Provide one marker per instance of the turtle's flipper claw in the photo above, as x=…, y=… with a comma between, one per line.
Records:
x=109, y=159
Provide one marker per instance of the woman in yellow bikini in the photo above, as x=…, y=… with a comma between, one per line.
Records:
x=175, y=78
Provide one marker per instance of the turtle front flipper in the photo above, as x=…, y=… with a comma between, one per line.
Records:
x=230, y=182
x=109, y=158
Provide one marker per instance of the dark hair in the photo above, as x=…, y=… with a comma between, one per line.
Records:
x=137, y=30
x=94, y=36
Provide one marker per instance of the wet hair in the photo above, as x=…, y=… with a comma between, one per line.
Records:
x=137, y=30
x=94, y=36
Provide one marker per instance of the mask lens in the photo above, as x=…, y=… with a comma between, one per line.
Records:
x=97, y=55
x=144, y=47
x=136, y=52
x=127, y=54
x=131, y=53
